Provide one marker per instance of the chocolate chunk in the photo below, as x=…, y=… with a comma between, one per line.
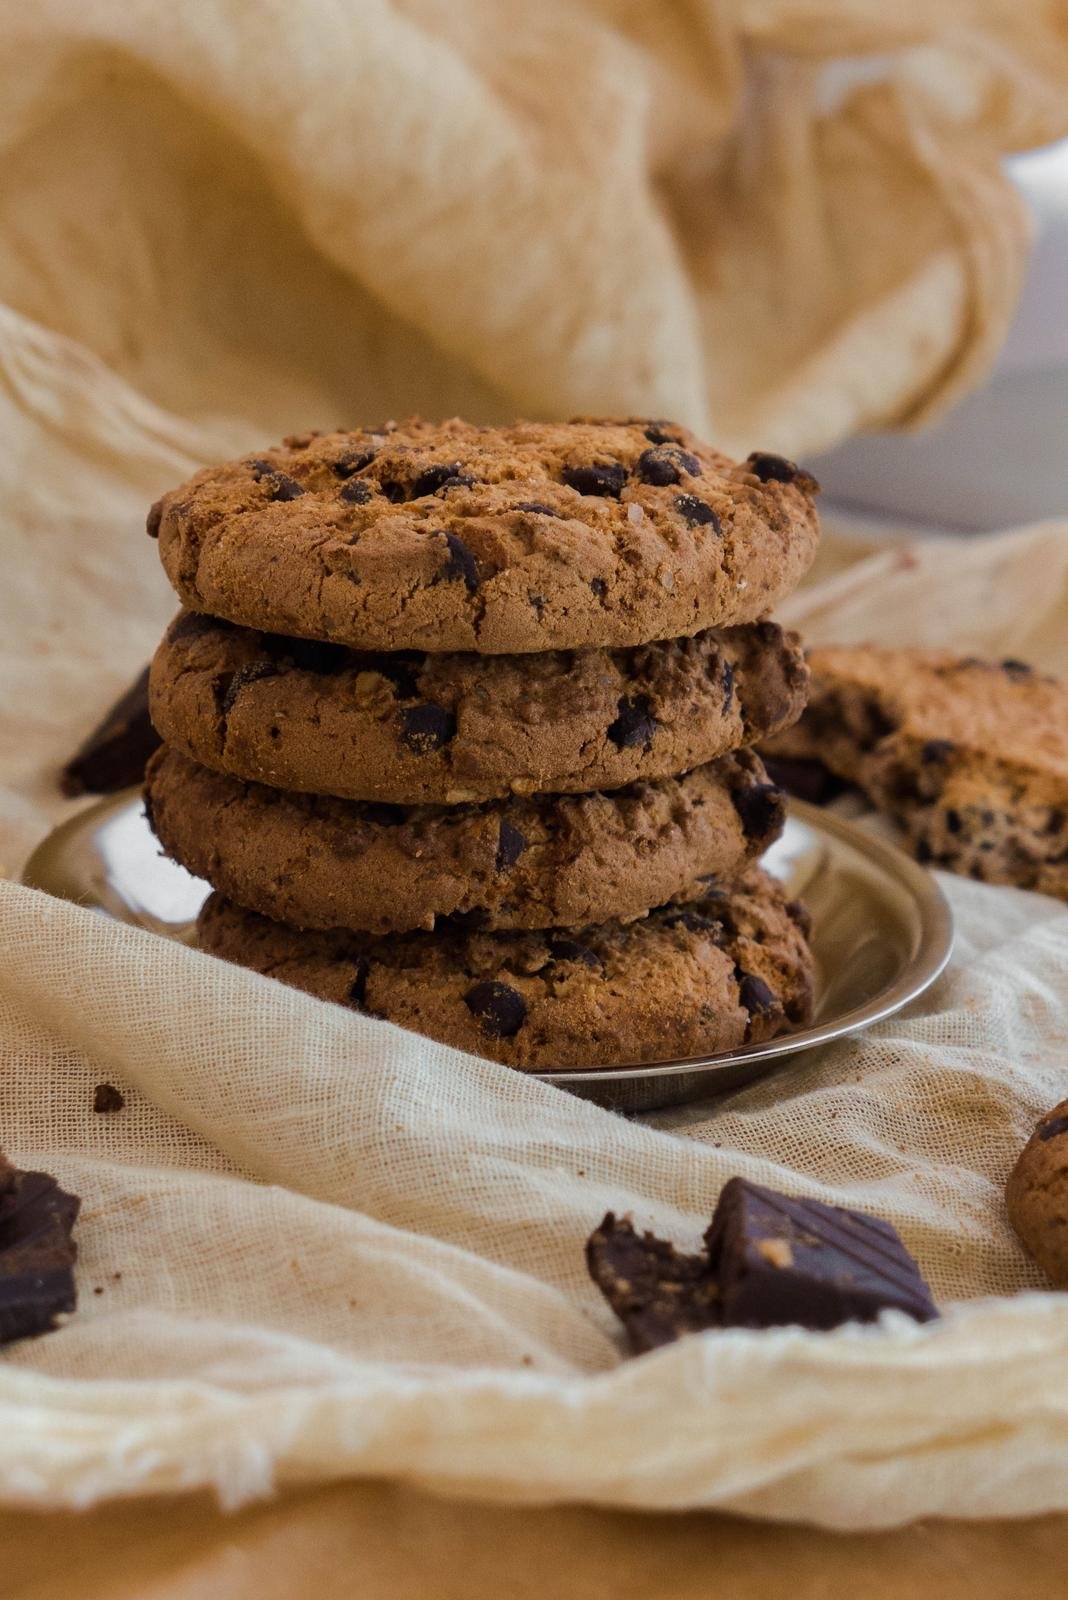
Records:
x=776, y=469
x=431, y=479
x=114, y=755
x=756, y=997
x=780, y=1260
x=37, y=1255
x=250, y=673
x=536, y=507
x=1017, y=669
x=352, y=461
x=937, y=750
x=605, y=479
x=1053, y=1128
x=804, y=777
x=279, y=485
x=657, y=1293
x=427, y=727
x=923, y=852
x=461, y=563
x=510, y=846
x=106, y=1098
x=358, y=987
x=357, y=492
x=599, y=587
x=154, y=518
x=762, y=809
x=664, y=466
x=954, y=821
x=635, y=724
x=769, y=1260
x=656, y=435
x=500, y=1009
x=572, y=950
x=697, y=513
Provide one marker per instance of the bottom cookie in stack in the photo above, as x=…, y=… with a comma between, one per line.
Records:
x=726, y=968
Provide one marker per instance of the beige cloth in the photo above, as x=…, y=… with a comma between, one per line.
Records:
x=324, y=1247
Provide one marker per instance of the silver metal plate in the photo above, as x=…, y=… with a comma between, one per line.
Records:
x=882, y=932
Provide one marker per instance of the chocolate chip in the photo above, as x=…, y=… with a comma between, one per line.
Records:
x=756, y=997
x=572, y=950
x=427, y=727
x=431, y=479
x=605, y=479
x=500, y=1009
x=954, y=821
x=661, y=467
x=279, y=485
x=537, y=509
x=510, y=846
x=401, y=670
x=697, y=513
x=937, y=750
x=1017, y=669
x=106, y=1098
x=154, y=518
x=461, y=563
x=761, y=808
x=656, y=435
x=776, y=469
x=352, y=461
x=356, y=492
x=728, y=686
x=599, y=587
x=357, y=995
x=1054, y=1128
x=250, y=673
x=924, y=853
x=635, y=724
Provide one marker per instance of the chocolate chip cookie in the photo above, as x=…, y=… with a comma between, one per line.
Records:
x=540, y=536
x=969, y=756
x=536, y=862
x=687, y=980
x=416, y=729
x=1037, y=1195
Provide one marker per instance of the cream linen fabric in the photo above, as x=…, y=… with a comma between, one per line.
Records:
x=312, y=1245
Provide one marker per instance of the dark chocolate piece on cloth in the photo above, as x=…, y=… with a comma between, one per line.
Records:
x=656, y=1292
x=770, y=1260
x=114, y=755
x=37, y=1254
x=804, y=778
x=779, y=1259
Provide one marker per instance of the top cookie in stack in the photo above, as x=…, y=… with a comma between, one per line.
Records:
x=443, y=698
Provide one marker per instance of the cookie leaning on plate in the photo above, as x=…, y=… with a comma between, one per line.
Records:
x=416, y=729
x=534, y=862
x=1037, y=1195
x=693, y=980
x=535, y=537
x=969, y=756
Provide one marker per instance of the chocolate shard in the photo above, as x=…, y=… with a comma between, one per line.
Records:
x=770, y=1260
x=115, y=753
x=656, y=1292
x=37, y=1255
x=778, y=1259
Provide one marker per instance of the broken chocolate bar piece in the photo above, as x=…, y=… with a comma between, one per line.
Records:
x=656, y=1292
x=37, y=1254
x=769, y=1260
x=779, y=1259
x=114, y=755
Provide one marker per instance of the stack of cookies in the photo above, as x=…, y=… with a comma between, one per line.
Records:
x=458, y=725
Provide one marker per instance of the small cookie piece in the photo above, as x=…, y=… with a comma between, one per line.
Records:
x=770, y=1260
x=540, y=536
x=113, y=757
x=969, y=756
x=37, y=1254
x=442, y=729
x=537, y=862
x=1037, y=1195
x=689, y=980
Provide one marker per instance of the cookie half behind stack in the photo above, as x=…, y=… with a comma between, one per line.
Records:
x=457, y=725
